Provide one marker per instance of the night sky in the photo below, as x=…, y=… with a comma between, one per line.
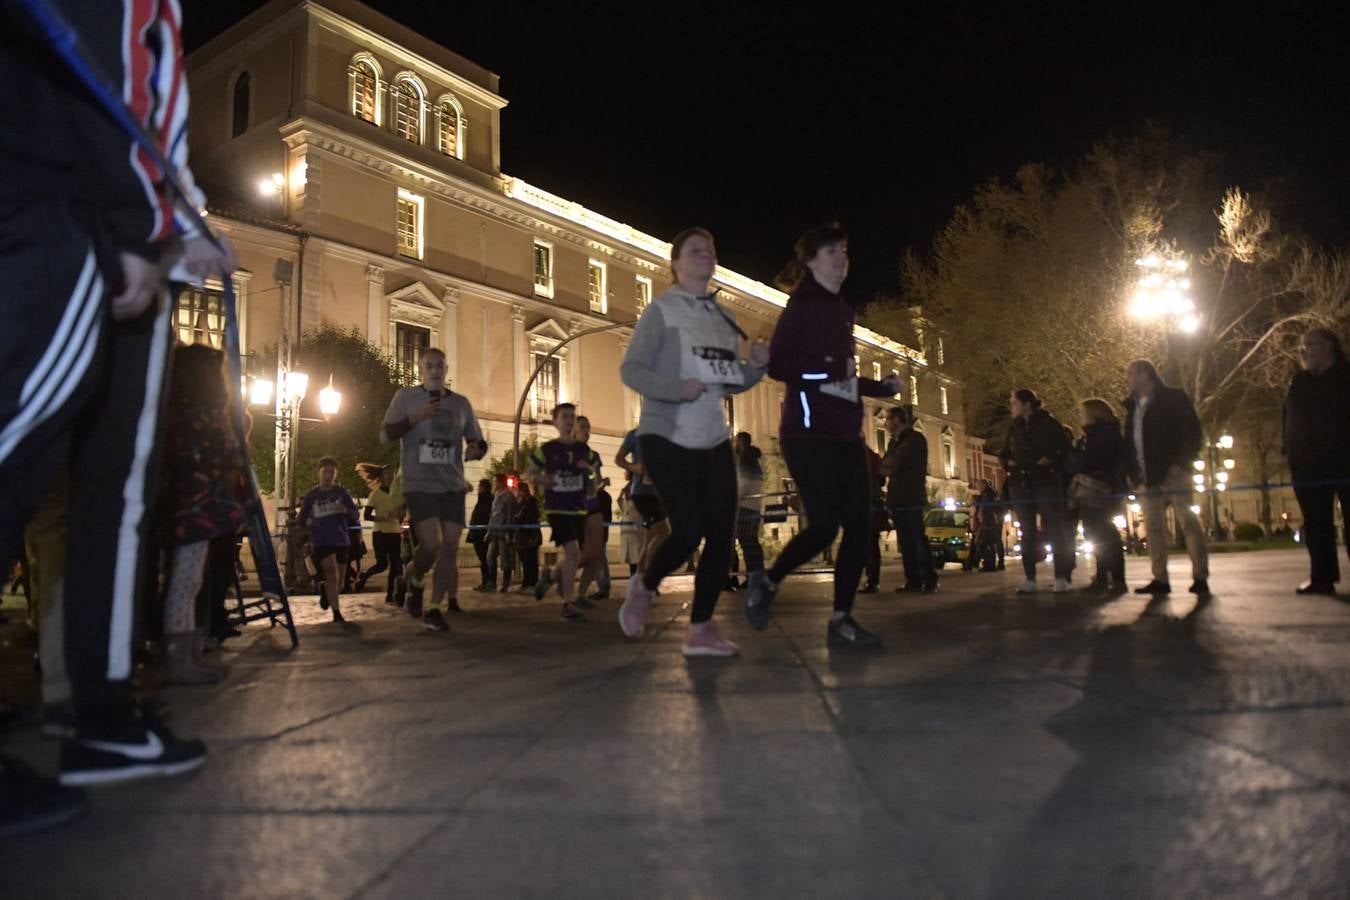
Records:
x=758, y=123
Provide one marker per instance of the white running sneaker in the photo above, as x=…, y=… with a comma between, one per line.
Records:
x=1027, y=587
x=706, y=641
x=633, y=611
x=1061, y=585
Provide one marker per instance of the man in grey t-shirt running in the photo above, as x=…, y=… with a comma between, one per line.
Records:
x=437, y=432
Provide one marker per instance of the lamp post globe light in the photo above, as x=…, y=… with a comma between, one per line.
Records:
x=1162, y=295
x=1212, y=477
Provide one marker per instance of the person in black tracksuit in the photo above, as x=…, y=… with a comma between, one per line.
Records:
x=905, y=467
x=1101, y=456
x=1034, y=457
x=87, y=235
x=1317, y=446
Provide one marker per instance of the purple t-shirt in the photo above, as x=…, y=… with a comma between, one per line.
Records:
x=329, y=513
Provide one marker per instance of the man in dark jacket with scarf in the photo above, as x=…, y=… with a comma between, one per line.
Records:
x=905, y=467
x=1162, y=438
x=1317, y=446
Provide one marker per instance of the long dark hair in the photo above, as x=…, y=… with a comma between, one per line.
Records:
x=199, y=377
x=805, y=250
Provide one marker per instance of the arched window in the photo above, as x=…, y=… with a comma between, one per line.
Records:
x=239, y=110
x=363, y=76
x=450, y=127
x=408, y=108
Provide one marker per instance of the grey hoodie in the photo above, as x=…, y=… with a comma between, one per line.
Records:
x=681, y=336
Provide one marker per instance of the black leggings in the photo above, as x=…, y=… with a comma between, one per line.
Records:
x=388, y=547
x=698, y=490
x=747, y=533
x=835, y=489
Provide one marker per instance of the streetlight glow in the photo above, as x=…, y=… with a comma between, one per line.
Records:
x=1196, y=509
x=294, y=386
x=1199, y=465
x=1229, y=463
x=330, y=399
x=1226, y=442
x=261, y=392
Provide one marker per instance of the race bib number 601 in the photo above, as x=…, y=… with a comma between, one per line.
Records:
x=436, y=453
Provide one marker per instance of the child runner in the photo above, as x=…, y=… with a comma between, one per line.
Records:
x=329, y=512
x=560, y=468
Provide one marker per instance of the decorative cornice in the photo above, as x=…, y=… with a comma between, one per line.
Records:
x=374, y=274
x=522, y=205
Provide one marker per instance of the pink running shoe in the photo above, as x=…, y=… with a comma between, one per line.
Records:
x=633, y=612
x=707, y=642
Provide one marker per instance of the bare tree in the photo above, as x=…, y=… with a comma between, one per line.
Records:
x=1029, y=282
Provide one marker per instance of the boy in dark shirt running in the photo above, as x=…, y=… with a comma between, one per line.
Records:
x=329, y=512
x=560, y=469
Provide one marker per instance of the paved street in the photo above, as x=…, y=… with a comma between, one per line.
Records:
x=999, y=746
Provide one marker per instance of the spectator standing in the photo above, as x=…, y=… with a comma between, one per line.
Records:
x=905, y=468
x=1163, y=437
x=1096, y=490
x=1317, y=446
x=1034, y=457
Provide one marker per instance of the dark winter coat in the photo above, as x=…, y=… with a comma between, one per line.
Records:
x=1172, y=435
x=1030, y=440
x=1102, y=453
x=1317, y=423
x=905, y=467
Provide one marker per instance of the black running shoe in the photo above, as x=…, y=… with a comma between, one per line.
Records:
x=583, y=603
x=337, y=618
x=414, y=600
x=868, y=589
x=758, y=598
x=434, y=621
x=1200, y=587
x=1155, y=587
x=571, y=614
x=848, y=633
x=323, y=598
x=31, y=803
x=142, y=748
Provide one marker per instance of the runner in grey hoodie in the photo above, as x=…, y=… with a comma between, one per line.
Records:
x=684, y=359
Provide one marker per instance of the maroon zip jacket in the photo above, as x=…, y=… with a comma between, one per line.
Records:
x=812, y=353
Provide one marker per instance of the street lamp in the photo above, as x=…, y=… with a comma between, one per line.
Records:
x=1216, y=477
x=1162, y=291
x=1162, y=294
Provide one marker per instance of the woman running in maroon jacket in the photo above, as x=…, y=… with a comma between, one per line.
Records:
x=812, y=352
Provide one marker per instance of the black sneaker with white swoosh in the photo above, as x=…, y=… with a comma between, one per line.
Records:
x=142, y=748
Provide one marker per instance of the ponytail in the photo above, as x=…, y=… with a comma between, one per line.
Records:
x=805, y=250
